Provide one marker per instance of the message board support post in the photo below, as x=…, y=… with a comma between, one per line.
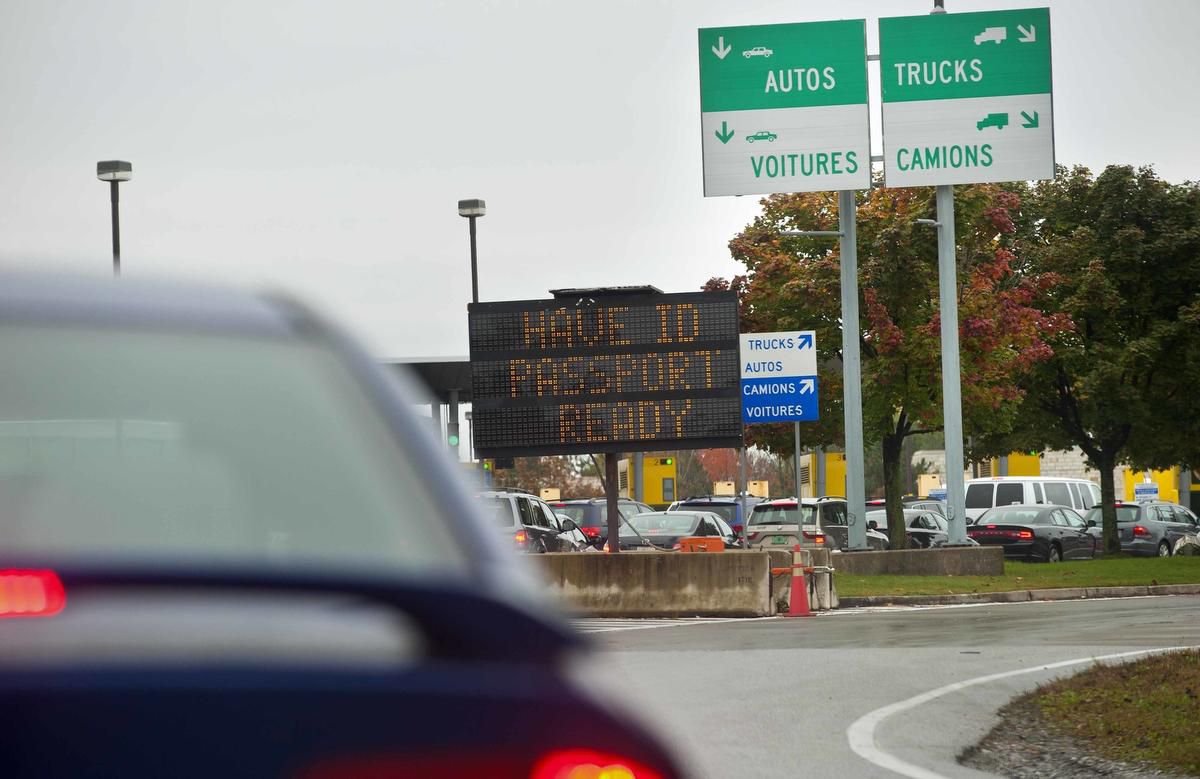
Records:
x=610, y=495
x=951, y=379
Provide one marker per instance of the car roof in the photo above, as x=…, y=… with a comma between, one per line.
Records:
x=34, y=298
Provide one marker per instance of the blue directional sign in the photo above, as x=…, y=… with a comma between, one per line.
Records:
x=779, y=377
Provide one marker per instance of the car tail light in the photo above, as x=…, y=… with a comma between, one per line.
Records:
x=520, y=537
x=1025, y=535
x=590, y=532
x=737, y=529
x=31, y=593
x=564, y=764
x=585, y=764
x=816, y=537
x=753, y=536
x=1138, y=530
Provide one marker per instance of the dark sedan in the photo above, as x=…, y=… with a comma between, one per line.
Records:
x=230, y=548
x=665, y=530
x=1035, y=533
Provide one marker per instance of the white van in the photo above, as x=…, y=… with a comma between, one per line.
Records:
x=983, y=494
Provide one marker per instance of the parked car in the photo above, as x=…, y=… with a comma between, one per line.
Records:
x=1152, y=528
x=531, y=523
x=983, y=494
x=926, y=529
x=912, y=502
x=591, y=514
x=664, y=530
x=817, y=523
x=728, y=506
x=240, y=553
x=1035, y=533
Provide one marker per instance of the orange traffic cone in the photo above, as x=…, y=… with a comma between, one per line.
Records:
x=798, y=601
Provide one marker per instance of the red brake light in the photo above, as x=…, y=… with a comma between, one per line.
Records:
x=520, y=537
x=1138, y=530
x=31, y=593
x=590, y=532
x=737, y=530
x=565, y=764
x=585, y=764
x=1025, y=534
x=816, y=538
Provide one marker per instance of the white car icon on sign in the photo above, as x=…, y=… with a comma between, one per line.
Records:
x=995, y=34
x=757, y=51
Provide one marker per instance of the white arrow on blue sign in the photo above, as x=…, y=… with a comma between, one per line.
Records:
x=779, y=377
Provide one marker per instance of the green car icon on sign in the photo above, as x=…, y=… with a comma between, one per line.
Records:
x=761, y=135
x=999, y=121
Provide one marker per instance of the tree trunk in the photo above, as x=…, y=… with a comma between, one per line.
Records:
x=1108, y=504
x=893, y=484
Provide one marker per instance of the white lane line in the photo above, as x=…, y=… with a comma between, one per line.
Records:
x=850, y=612
x=604, y=626
x=861, y=733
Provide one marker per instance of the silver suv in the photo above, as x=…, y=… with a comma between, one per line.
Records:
x=815, y=523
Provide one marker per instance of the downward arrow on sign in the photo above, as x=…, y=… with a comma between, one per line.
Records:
x=1030, y=121
x=1027, y=36
x=807, y=386
x=724, y=134
x=721, y=49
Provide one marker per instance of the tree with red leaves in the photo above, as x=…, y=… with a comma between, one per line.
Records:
x=793, y=283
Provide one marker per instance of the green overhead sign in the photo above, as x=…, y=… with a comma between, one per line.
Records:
x=967, y=97
x=784, y=108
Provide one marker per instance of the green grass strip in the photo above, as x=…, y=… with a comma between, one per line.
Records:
x=1113, y=572
x=1145, y=711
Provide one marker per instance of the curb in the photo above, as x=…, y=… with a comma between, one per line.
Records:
x=1021, y=596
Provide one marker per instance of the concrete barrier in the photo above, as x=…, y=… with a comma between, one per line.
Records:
x=955, y=561
x=645, y=584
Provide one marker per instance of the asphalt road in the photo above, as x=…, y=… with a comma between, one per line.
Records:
x=786, y=697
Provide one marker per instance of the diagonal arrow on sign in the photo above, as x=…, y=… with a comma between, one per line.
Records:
x=721, y=49
x=1027, y=35
x=807, y=386
x=805, y=341
x=724, y=134
x=1030, y=121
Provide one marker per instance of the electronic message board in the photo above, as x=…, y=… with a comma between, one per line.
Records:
x=605, y=374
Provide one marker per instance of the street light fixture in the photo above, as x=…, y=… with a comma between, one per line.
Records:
x=472, y=210
x=114, y=172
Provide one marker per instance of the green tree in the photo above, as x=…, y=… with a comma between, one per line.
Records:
x=1121, y=385
x=794, y=284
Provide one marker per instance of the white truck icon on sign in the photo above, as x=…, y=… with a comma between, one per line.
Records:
x=995, y=34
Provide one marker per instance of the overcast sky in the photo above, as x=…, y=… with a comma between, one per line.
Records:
x=323, y=148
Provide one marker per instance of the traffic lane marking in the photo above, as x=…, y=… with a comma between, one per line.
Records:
x=857, y=610
x=861, y=733
x=612, y=625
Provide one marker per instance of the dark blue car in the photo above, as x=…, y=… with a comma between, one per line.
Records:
x=226, y=549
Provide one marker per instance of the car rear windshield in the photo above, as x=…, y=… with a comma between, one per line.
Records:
x=500, y=510
x=979, y=496
x=783, y=515
x=1006, y=516
x=135, y=444
x=1124, y=514
x=727, y=511
x=665, y=523
x=574, y=511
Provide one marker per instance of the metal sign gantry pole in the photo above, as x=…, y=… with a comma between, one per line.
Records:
x=856, y=493
x=951, y=378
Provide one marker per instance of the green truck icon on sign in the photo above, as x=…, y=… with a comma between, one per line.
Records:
x=999, y=121
x=761, y=135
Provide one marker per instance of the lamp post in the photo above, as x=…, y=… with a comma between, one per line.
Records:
x=114, y=172
x=472, y=210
